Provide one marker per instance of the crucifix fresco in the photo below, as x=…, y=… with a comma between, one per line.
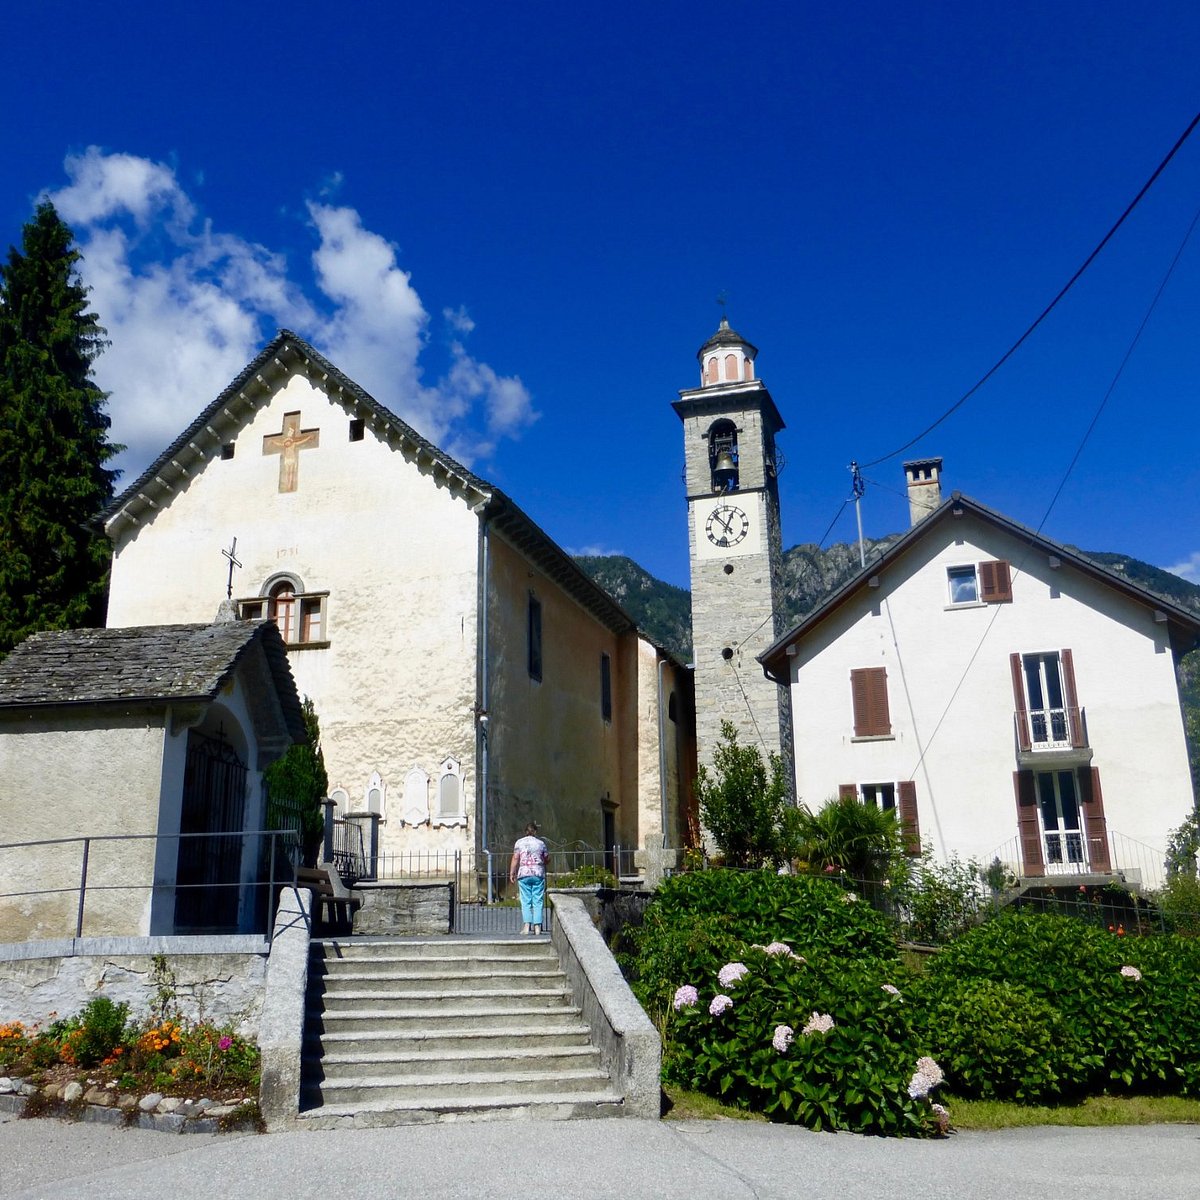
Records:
x=288, y=445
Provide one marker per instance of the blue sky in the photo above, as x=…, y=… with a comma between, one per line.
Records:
x=511, y=224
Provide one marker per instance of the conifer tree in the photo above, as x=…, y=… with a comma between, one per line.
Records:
x=53, y=439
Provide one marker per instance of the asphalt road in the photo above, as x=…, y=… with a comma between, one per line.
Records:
x=609, y=1159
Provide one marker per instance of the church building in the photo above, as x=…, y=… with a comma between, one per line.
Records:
x=468, y=676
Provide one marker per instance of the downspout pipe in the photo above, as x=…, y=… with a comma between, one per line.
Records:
x=481, y=703
x=662, y=752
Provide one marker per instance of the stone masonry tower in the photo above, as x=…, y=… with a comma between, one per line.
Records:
x=729, y=428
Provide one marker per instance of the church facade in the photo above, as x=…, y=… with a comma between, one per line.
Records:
x=468, y=676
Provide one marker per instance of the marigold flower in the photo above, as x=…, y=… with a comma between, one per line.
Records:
x=1131, y=973
x=720, y=1004
x=818, y=1023
x=730, y=973
x=782, y=1038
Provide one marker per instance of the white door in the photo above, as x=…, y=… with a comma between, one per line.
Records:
x=1048, y=724
x=1062, y=823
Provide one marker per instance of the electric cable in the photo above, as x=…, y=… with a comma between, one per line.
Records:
x=1087, y=262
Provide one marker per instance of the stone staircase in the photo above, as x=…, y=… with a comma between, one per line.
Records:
x=400, y=1031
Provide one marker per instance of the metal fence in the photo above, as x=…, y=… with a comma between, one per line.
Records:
x=96, y=881
x=1131, y=862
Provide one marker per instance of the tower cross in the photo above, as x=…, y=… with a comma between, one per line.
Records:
x=288, y=445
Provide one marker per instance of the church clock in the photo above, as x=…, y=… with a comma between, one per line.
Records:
x=730, y=423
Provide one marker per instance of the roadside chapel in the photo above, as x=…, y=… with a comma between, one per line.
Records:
x=133, y=758
x=467, y=675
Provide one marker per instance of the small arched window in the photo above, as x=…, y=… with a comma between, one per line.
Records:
x=731, y=368
x=712, y=369
x=723, y=456
x=282, y=608
x=449, y=802
x=299, y=614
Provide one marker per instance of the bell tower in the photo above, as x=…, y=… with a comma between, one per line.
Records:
x=731, y=466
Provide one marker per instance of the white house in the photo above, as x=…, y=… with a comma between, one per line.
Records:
x=467, y=674
x=131, y=768
x=1007, y=696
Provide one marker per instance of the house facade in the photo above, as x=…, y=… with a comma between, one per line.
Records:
x=1006, y=696
x=131, y=767
x=467, y=675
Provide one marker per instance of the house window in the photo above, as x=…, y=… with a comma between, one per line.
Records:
x=964, y=585
x=868, y=691
x=1048, y=712
x=986, y=582
x=1062, y=828
x=534, y=638
x=606, y=687
x=357, y=428
x=879, y=795
x=300, y=615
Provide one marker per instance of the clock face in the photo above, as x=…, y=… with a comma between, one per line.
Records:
x=726, y=526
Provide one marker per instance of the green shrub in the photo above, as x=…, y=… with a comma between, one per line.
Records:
x=589, y=875
x=941, y=900
x=1180, y=905
x=860, y=840
x=101, y=1030
x=1000, y=1041
x=1130, y=1001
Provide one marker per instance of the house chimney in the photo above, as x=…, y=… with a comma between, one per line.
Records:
x=924, y=478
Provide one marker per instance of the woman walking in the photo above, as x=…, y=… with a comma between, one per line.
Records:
x=528, y=871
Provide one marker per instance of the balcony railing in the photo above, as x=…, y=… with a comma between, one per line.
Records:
x=1067, y=854
x=1051, y=729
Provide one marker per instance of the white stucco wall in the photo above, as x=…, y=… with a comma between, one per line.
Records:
x=395, y=549
x=100, y=776
x=951, y=697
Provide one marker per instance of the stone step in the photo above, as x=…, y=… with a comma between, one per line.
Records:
x=438, y=982
x=424, y=1041
x=547, y=1106
x=344, y=949
x=346, y=1065
x=460, y=999
x=448, y=964
x=429, y=1090
x=426, y=1019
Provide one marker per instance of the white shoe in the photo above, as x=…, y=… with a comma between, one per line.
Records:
x=524, y=930
x=537, y=929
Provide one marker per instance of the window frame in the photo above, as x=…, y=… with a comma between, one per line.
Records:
x=305, y=609
x=961, y=570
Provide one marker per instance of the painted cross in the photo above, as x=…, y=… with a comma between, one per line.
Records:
x=233, y=562
x=288, y=445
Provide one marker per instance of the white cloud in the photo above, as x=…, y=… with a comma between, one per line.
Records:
x=1189, y=569
x=187, y=306
x=594, y=552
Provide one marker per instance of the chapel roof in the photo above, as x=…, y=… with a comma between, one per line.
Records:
x=288, y=353
x=726, y=337
x=146, y=664
x=1182, y=622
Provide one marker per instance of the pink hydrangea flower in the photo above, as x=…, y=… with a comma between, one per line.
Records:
x=685, y=997
x=779, y=948
x=720, y=1004
x=225, y=1043
x=782, y=1038
x=891, y=989
x=941, y=1117
x=1131, y=973
x=926, y=1077
x=730, y=973
x=850, y=898
x=818, y=1023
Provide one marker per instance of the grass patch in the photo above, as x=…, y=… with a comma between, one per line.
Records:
x=683, y=1105
x=1095, y=1110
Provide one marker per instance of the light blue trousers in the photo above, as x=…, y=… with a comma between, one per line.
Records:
x=533, y=891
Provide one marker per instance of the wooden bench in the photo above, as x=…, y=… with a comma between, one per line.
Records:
x=333, y=906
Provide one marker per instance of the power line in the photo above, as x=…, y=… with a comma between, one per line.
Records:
x=1087, y=262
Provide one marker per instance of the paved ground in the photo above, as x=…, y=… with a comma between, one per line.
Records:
x=607, y=1159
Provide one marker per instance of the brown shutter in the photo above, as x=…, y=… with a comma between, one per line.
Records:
x=907, y=812
x=1027, y=823
x=868, y=690
x=1071, y=697
x=1018, y=682
x=847, y=791
x=1094, y=822
x=995, y=582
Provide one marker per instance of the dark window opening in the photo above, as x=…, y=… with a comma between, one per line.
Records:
x=723, y=456
x=357, y=428
x=227, y=451
x=606, y=687
x=534, y=638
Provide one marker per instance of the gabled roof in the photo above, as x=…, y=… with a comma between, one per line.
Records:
x=286, y=354
x=149, y=664
x=1183, y=623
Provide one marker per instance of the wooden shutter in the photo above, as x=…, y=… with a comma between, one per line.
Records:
x=995, y=582
x=868, y=689
x=1095, y=824
x=1071, y=698
x=847, y=791
x=1022, y=710
x=1027, y=823
x=906, y=806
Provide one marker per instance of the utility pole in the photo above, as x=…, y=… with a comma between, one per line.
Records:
x=858, y=488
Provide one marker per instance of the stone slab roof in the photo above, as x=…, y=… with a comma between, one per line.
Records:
x=164, y=664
